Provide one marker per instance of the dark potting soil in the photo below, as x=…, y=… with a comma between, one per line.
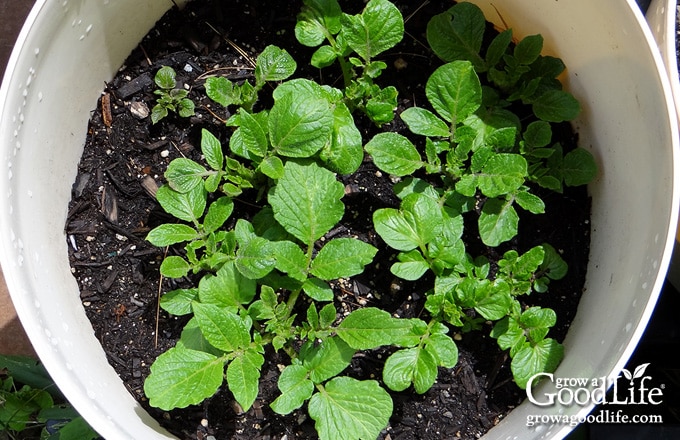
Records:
x=113, y=208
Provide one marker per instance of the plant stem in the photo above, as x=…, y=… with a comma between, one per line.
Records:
x=292, y=299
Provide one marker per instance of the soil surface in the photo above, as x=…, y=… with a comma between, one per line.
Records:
x=113, y=208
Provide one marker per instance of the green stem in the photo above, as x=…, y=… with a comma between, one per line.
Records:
x=346, y=71
x=292, y=299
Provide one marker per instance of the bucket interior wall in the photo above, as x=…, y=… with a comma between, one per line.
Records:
x=69, y=49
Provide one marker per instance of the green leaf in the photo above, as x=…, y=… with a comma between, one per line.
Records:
x=454, y=91
x=443, y=348
x=306, y=201
x=317, y=18
x=165, y=77
x=537, y=321
x=553, y=264
x=368, y=328
x=212, y=150
x=227, y=288
x=295, y=388
x=556, y=106
x=224, y=330
x=184, y=174
x=494, y=127
x=528, y=49
x=174, y=266
x=327, y=359
x=538, y=134
x=542, y=357
x=187, y=206
x=274, y=64
x=243, y=376
x=76, y=429
x=578, y=167
x=290, y=259
x=448, y=249
x=218, y=213
x=252, y=134
x=411, y=265
x=380, y=106
x=457, y=34
x=411, y=185
x=498, y=222
x=192, y=338
x=272, y=167
x=265, y=307
x=255, y=259
x=413, y=226
x=414, y=366
x=342, y=257
x=498, y=47
x=395, y=229
x=324, y=56
x=181, y=377
x=509, y=335
x=18, y=407
x=345, y=153
x=526, y=264
x=349, y=409
x=496, y=304
x=379, y=27
x=394, y=153
x=503, y=173
x=186, y=108
x=327, y=316
x=171, y=233
x=317, y=289
x=299, y=125
x=530, y=202
x=178, y=302
x=222, y=91
x=158, y=112
x=29, y=371
x=425, y=123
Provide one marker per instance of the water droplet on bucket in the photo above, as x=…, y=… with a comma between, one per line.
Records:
x=36, y=303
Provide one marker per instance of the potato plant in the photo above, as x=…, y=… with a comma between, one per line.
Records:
x=466, y=146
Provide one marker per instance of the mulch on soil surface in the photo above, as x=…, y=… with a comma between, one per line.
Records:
x=113, y=209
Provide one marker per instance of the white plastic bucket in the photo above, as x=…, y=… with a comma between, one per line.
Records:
x=68, y=49
x=661, y=16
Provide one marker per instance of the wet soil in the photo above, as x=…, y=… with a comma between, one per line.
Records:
x=113, y=208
